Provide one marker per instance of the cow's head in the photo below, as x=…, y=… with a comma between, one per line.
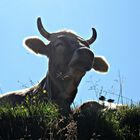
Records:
x=70, y=58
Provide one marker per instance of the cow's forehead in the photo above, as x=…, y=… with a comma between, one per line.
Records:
x=68, y=34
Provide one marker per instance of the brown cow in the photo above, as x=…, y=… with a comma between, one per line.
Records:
x=70, y=58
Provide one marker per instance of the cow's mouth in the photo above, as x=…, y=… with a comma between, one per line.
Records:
x=63, y=76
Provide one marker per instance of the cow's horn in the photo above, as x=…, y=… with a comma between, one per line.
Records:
x=41, y=29
x=93, y=38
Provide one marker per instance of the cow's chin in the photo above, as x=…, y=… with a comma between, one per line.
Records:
x=71, y=82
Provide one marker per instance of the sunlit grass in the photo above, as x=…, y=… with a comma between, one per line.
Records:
x=36, y=119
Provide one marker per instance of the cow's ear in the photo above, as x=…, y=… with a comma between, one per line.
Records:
x=36, y=45
x=100, y=64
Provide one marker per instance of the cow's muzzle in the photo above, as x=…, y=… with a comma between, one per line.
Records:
x=82, y=60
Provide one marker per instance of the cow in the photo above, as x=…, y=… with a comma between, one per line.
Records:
x=69, y=57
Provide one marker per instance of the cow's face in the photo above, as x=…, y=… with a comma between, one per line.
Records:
x=69, y=57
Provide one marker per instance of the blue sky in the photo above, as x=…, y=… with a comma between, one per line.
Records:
x=116, y=21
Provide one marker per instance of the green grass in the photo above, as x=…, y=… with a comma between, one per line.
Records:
x=124, y=123
x=40, y=120
x=27, y=121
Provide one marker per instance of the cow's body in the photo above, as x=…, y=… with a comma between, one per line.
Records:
x=69, y=59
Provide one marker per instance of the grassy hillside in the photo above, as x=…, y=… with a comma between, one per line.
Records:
x=43, y=121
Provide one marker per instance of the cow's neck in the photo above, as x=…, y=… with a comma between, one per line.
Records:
x=50, y=85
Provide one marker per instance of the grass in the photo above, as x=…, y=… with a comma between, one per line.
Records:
x=121, y=124
x=27, y=121
x=40, y=120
